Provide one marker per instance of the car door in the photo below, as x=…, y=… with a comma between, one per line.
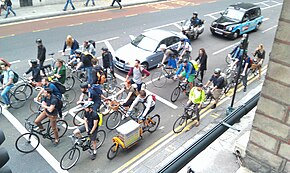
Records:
x=246, y=23
x=254, y=14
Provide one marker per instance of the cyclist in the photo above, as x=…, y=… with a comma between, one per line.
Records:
x=148, y=101
x=196, y=97
x=131, y=94
x=137, y=71
x=41, y=52
x=94, y=93
x=91, y=120
x=188, y=73
x=245, y=66
x=171, y=53
x=195, y=22
x=72, y=43
x=49, y=103
x=36, y=77
x=8, y=76
x=185, y=49
x=89, y=47
x=260, y=56
x=108, y=61
x=60, y=71
x=46, y=84
x=86, y=63
x=218, y=82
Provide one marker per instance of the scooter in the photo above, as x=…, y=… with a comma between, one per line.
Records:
x=188, y=30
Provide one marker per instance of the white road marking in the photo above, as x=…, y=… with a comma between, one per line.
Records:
x=161, y=26
x=275, y=26
x=263, y=3
x=40, y=149
x=178, y=26
x=132, y=37
x=265, y=19
x=211, y=14
x=271, y=6
x=162, y=127
x=109, y=46
x=223, y=49
x=16, y=61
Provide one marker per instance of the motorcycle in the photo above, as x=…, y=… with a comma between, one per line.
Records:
x=188, y=30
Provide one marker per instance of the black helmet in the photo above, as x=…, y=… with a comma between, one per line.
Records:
x=199, y=85
x=185, y=61
x=84, y=85
x=104, y=49
x=33, y=61
x=217, y=71
x=38, y=40
x=195, y=13
x=78, y=51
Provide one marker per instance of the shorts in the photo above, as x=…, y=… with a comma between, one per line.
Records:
x=190, y=78
x=217, y=93
x=172, y=62
x=93, y=136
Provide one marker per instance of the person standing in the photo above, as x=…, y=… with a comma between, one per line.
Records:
x=93, y=3
x=202, y=63
x=108, y=61
x=9, y=8
x=8, y=76
x=66, y=4
x=260, y=55
x=72, y=43
x=118, y=1
x=41, y=54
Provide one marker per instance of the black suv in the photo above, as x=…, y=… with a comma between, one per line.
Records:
x=237, y=19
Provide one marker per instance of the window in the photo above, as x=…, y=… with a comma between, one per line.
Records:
x=254, y=13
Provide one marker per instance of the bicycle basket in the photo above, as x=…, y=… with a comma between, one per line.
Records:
x=114, y=105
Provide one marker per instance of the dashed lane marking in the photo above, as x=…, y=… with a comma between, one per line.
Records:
x=75, y=24
x=40, y=149
x=214, y=115
x=101, y=20
x=161, y=26
x=39, y=30
x=131, y=15
x=273, y=27
x=5, y=36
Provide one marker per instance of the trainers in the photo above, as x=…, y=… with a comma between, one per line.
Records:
x=93, y=156
x=245, y=89
x=197, y=124
x=5, y=106
x=213, y=106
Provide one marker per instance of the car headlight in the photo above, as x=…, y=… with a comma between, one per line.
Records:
x=213, y=23
x=229, y=28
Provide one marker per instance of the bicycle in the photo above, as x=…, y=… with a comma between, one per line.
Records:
x=127, y=140
x=159, y=78
x=182, y=86
x=27, y=87
x=181, y=122
x=17, y=98
x=28, y=142
x=71, y=157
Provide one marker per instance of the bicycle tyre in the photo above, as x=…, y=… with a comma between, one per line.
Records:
x=114, y=120
x=61, y=126
x=175, y=94
x=79, y=121
x=179, y=124
x=26, y=88
x=70, y=158
x=70, y=96
x=137, y=111
x=228, y=59
x=105, y=108
x=24, y=140
x=153, y=123
x=34, y=107
x=207, y=101
x=30, y=119
x=69, y=83
x=101, y=136
x=158, y=79
x=113, y=151
x=18, y=99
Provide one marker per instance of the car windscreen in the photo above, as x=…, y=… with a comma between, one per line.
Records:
x=233, y=14
x=145, y=43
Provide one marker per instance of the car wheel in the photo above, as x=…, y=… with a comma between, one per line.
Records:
x=257, y=26
x=145, y=65
x=236, y=35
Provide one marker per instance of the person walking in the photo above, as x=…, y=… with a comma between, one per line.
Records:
x=9, y=8
x=66, y=4
x=2, y=6
x=259, y=54
x=108, y=61
x=41, y=53
x=87, y=2
x=202, y=63
x=118, y=1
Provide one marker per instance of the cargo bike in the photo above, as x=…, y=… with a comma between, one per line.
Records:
x=129, y=133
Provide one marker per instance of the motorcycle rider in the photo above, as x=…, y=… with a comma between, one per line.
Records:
x=195, y=22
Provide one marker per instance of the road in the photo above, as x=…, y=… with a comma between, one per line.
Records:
x=113, y=28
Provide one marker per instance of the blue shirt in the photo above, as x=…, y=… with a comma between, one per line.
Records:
x=95, y=93
x=9, y=74
x=188, y=69
x=55, y=90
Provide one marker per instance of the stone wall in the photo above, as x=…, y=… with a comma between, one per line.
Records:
x=268, y=150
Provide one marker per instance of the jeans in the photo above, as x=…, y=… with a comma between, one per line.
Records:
x=9, y=8
x=93, y=2
x=4, y=94
x=89, y=71
x=245, y=79
x=139, y=86
x=68, y=2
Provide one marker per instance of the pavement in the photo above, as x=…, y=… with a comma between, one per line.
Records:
x=37, y=12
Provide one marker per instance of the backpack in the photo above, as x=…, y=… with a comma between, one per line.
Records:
x=16, y=76
x=100, y=119
x=194, y=64
x=59, y=86
x=93, y=43
x=59, y=103
x=101, y=78
x=225, y=83
x=153, y=97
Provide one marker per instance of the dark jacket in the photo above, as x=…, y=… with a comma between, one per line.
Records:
x=35, y=73
x=202, y=62
x=8, y=2
x=41, y=51
x=74, y=46
x=107, y=60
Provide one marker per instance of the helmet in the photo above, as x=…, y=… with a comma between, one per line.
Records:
x=84, y=85
x=217, y=71
x=104, y=49
x=162, y=46
x=195, y=13
x=88, y=104
x=185, y=61
x=33, y=61
x=38, y=40
x=199, y=84
x=78, y=51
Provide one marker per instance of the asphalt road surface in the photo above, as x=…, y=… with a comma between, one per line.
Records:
x=112, y=28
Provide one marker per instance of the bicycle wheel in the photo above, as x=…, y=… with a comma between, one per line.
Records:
x=101, y=136
x=207, y=101
x=17, y=99
x=29, y=120
x=26, y=88
x=228, y=72
x=34, y=107
x=70, y=158
x=110, y=86
x=113, y=151
x=175, y=94
x=114, y=120
x=137, y=110
x=78, y=118
x=158, y=79
x=61, y=126
x=117, y=89
x=70, y=96
x=27, y=142
x=69, y=83
x=105, y=108
x=179, y=124
x=153, y=123
x=121, y=96
x=228, y=59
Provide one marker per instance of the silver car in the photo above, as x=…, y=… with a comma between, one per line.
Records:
x=145, y=48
